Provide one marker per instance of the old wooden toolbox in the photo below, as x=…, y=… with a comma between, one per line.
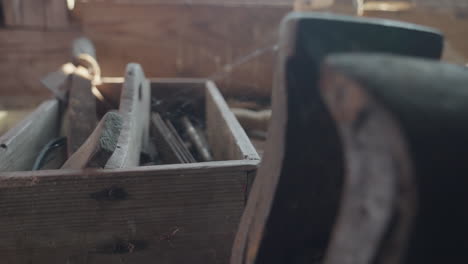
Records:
x=180, y=213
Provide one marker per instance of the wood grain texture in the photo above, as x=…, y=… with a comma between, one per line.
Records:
x=197, y=40
x=26, y=13
x=184, y=213
x=20, y=146
x=56, y=14
x=39, y=14
x=99, y=146
x=225, y=135
x=31, y=55
x=134, y=108
x=80, y=117
x=199, y=43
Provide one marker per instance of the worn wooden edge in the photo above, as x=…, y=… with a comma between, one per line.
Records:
x=27, y=178
x=242, y=141
x=261, y=193
x=37, y=14
x=134, y=108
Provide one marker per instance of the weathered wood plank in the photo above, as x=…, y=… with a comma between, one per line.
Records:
x=184, y=213
x=39, y=14
x=28, y=13
x=56, y=14
x=135, y=110
x=81, y=116
x=208, y=37
x=31, y=55
x=20, y=145
x=199, y=43
x=226, y=137
x=99, y=146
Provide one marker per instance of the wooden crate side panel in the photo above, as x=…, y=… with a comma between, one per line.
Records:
x=20, y=146
x=225, y=135
x=165, y=214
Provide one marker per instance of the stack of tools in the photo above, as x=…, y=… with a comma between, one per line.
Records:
x=76, y=180
x=366, y=156
x=96, y=132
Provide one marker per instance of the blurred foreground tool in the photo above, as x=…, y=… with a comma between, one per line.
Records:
x=403, y=125
x=98, y=148
x=134, y=109
x=296, y=194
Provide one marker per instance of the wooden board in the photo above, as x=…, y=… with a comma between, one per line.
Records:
x=135, y=110
x=81, y=117
x=166, y=214
x=20, y=146
x=226, y=137
x=99, y=146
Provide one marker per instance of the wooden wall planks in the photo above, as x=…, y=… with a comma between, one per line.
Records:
x=185, y=41
x=182, y=40
x=26, y=56
x=39, y=14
